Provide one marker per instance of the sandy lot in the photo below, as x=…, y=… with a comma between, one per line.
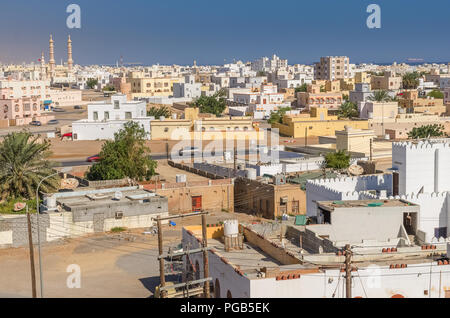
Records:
x=112, y=265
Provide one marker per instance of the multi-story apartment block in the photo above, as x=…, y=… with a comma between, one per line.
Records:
x=333, y=68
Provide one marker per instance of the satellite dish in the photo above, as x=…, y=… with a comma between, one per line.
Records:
x=118, y=195
x=355, y=170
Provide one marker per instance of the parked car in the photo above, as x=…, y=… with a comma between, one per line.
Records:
x=68, y=135
x=36, y=123
x=77, y=107
x=53, y=122
x=58, y=110
x=95, y=158
x=189, y=151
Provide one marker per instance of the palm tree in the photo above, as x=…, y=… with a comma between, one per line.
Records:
x=23, y=164
x=411, y=80
x=338, y=160
x=158, y=112
x=348, y=110
x=427, y=131
x=380, y=96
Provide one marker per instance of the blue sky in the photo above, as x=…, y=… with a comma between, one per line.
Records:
x=211, y=31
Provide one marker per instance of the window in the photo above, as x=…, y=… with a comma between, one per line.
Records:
x=106, y=115
x=128, y=115
x=116, y=104
x=295, y=207
x=95, y=115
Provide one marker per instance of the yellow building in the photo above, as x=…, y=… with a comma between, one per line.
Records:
x=362, y=77
x=195, y=127
x=142, y=87
x=413, y=104
x=318, y=123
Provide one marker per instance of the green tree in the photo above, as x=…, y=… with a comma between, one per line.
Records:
x=277, y=117
x=159, y=112
x=126, y=156
x=348, y=110
x=109, y=88
x=411, y=80
x=91, y=83
x=337, y=160
x=380, y=96
x=427, y=131
x=261, y=73
x=214, y=104
x=436, y=94
x=302, y=88
x=23, y=164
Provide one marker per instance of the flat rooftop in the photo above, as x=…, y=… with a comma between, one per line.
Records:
x=98, y=198
x=331, y=205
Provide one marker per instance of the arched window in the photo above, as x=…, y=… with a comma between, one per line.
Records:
x=17, y=108
x=217, y=289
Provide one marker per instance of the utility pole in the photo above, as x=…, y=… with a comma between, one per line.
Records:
x=371, y=149
x=162, y=277
x=186, y=285
x=348, y=271
x=205, y=256
x=235, y=153
x=33, y=270
x=306, y=137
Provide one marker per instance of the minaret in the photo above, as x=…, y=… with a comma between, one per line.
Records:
x=69, y=55
x=51, y=61
x=43, y=70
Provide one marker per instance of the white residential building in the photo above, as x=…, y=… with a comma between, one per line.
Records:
x=423, y=179
x=105, y=119
x=188, y=89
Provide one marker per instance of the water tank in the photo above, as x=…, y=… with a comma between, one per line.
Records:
x=118, y=195
x=231, y=227
x=162, y=118
x=181, y=178
x=50, y=202
x=174, y=116
x=251, y=174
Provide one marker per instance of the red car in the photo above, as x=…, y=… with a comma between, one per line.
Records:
x=95, y=158
x=68, y=135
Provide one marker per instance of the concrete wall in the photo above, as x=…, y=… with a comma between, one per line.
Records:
x=344, y=189
x=369, y=282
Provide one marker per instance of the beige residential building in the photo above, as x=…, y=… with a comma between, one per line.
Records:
x=389, y=81
x=411, y=102
x=313, y=97
x=354, y=140
x=332, y=68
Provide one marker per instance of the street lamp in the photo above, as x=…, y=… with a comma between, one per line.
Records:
x=64, y=170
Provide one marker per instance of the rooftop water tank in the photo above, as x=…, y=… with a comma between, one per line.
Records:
x=50, y=202
x=180, y=178
x=231, y=227
x=251, y=174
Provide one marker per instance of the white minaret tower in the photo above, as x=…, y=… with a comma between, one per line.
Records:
x=69, y=54
x=43, y=68
x=51, y=61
